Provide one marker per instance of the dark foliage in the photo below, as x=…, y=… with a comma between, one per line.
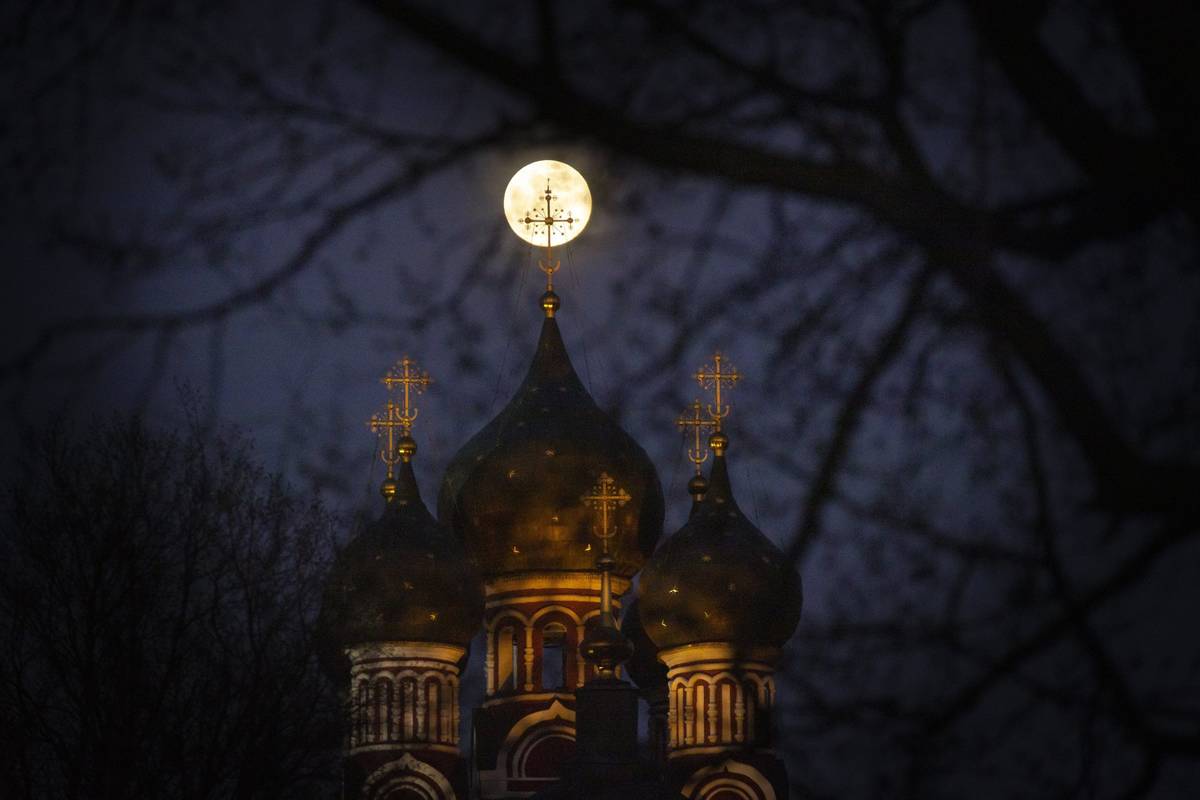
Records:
x=155, y=604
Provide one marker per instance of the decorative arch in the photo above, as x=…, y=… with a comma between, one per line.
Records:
x=408, y=774
x=541, y=612
x=561, y=722
x=508, y=613
x=726, y=789
x=540, y=737
x=763, y=682
x=730, y=777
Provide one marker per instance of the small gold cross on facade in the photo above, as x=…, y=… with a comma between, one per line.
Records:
x=606, y=497
x=548, y=219
x=698, y=452
x=413, y=381
x=714, y=377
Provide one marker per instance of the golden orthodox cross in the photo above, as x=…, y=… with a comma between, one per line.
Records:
x=698, y=452
x=549, y=220
x=414, y=381
x=714, y=378
x=606, y=497
x=389, y=423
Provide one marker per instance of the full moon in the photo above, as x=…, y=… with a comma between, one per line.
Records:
x=570, y=204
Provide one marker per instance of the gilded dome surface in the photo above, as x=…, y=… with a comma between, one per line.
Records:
x=404, y=577
x=513, y=493
x=719, y=579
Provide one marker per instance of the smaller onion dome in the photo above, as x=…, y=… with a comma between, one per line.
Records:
x=643, y=666
x=403, y=578
x=719, y=579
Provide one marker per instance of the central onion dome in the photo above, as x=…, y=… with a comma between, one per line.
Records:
x=403, y=578
x=719, y=579
x=513, y=492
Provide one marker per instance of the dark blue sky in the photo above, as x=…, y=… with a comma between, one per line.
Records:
x=937, y=240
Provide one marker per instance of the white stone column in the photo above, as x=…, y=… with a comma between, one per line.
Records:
x=529, y=658
x=711, y=713
x=739, y=713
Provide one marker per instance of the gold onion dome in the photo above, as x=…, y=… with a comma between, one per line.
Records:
x=404, y=577
x=719, y=579
x=512, y=493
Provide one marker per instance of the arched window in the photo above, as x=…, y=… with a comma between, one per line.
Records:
x=506, y=659
x=751, y=712
x=554, y=656
x=409, y=714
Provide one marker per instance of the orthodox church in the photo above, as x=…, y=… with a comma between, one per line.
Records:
x=545, y=518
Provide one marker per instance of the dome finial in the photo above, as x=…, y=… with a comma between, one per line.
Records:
x=605, y=646
x=544, y=202
x=397, y=419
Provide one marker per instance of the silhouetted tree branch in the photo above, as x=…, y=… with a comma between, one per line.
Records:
x=157, y=600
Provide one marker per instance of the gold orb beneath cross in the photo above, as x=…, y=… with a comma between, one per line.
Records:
x=547, y=221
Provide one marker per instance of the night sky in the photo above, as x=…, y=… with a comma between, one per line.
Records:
x=951, y=245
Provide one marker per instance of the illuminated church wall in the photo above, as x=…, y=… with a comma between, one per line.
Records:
x=406, y=694
x=533, y=626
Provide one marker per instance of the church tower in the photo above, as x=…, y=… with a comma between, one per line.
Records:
x=400, y=609
x=719, y=600
x=514, y=496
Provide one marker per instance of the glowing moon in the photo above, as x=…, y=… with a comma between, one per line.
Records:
x=525, y=205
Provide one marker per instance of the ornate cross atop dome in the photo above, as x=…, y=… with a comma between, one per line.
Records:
x=606, y=497
x=720, y=374
x=545, y=200
x=397, y=418
x=388, y=423
x=412, y=380
x=697, y=452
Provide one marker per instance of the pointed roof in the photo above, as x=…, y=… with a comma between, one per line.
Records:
x=403, y=577
x=719, y=579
